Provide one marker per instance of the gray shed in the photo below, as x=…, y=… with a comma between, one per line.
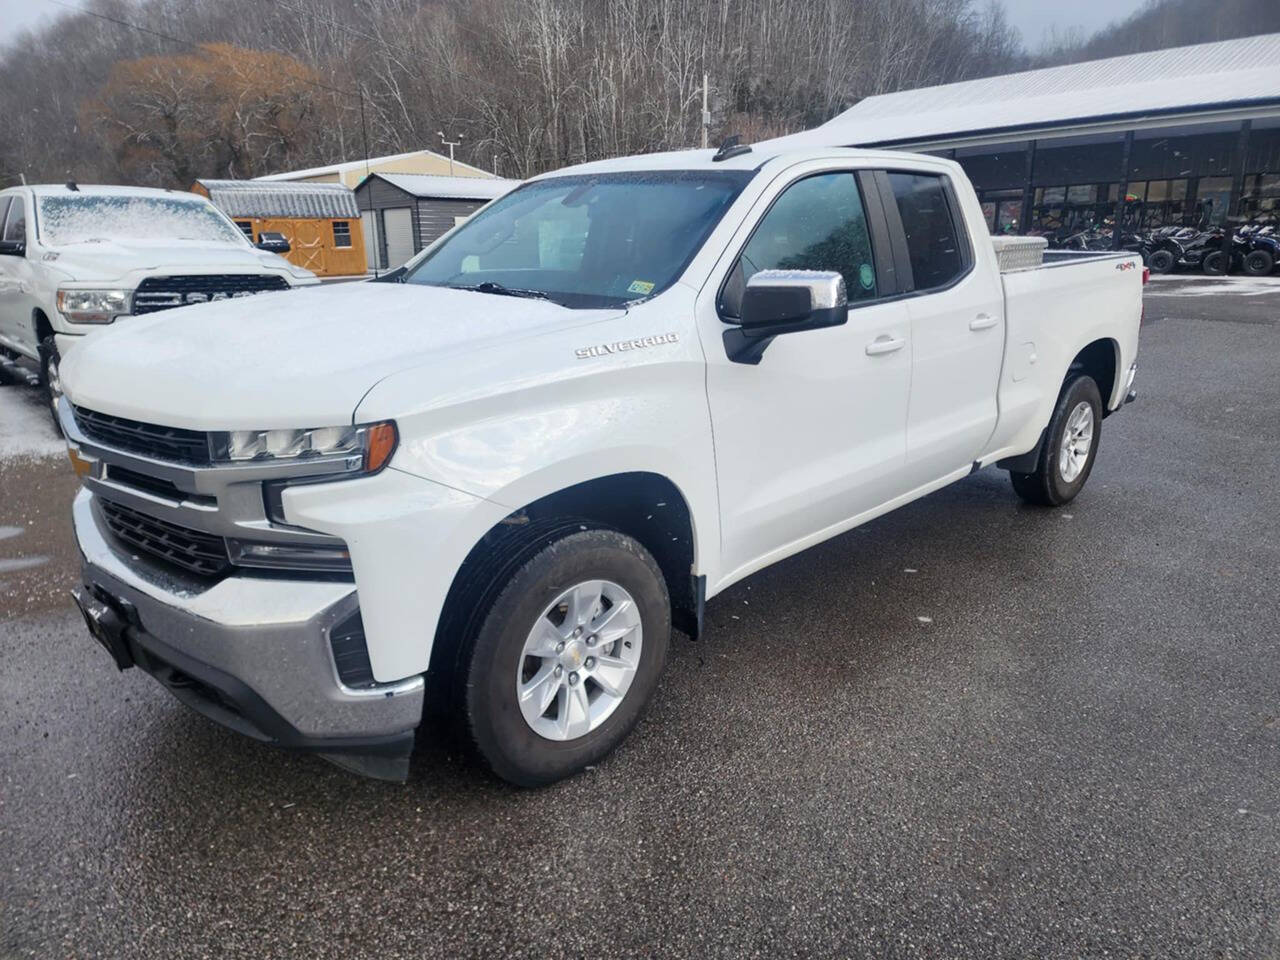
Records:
x=404, y=212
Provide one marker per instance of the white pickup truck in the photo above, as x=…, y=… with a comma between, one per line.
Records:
x=73, y=258
x=492, y=485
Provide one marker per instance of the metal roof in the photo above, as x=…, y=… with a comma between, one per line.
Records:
x=348, y=165
x=452, y=188
x=1179, y=80
x=303, y=201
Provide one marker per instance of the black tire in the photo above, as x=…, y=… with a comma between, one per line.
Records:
x=1214, y=263
x=507, y=744
x=1258, y=263
x=1047, y=487
x=1161, y=261
x=50, y=361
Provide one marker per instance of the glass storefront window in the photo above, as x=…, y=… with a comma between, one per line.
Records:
x=1204, y=149
x=1008, y=216
x=1090, y=159
x=995, y=167
x=1261, y=198
x=1213, y=200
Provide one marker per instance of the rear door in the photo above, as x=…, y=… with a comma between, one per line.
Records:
x=957, y=325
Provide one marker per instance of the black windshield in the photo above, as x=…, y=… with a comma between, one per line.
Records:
x=585, y=241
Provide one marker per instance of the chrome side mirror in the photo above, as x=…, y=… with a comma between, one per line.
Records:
x=777, y=302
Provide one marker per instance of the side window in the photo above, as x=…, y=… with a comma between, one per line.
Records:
x=15, y=227
x=4, y=210
x=246, y=227
x=933, y=243
x=818, y=223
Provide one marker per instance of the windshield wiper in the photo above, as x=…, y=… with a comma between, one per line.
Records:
x=490, y=287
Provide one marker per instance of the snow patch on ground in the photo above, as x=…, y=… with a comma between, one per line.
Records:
x=1193, y=286
x=26, y=429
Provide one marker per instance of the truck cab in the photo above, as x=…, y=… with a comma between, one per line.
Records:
x=493, y=486
x=74, y=259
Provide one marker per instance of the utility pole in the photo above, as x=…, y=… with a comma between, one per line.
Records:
x=450, y=144
x=706, y=113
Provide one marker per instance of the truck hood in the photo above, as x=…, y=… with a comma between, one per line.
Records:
x=301, y=358
x=115, y=260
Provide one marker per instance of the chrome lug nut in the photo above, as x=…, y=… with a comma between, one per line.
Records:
x=560, y=647
x=592, y=640
x=559, y=670
x=591, y=662
x=577, y=631
x=573, y=678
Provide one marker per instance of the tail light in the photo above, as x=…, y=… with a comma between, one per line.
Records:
x=1146, y=275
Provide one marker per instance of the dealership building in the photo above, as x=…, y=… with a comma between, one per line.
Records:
x=1188, y=136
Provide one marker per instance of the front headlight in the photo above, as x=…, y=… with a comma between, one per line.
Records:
x=372, y=442
x=94, y=306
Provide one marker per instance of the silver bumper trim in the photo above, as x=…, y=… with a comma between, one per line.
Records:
x=270, y=634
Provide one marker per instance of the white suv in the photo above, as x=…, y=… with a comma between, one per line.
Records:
x=73, y=258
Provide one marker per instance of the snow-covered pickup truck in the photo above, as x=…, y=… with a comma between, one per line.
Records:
x=492, y=485
x=73, y=258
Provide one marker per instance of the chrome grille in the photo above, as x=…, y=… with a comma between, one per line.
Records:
x=192, y=550
x=163, y=293
x=146, y=439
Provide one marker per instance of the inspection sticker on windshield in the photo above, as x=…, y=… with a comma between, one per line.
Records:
x=640, y=286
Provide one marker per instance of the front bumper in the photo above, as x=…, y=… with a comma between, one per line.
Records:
x=251, y=653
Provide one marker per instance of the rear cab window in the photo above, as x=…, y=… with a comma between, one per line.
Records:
x=937, y=249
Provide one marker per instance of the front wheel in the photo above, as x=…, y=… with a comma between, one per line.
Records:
x=567, y=657
x=1258, y=263
x=1071, y=445
x=50, y=378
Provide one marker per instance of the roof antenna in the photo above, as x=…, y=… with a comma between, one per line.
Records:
x=732, y=147
x=71, y=185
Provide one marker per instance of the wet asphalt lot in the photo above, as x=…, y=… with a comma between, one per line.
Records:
x=1077, y=753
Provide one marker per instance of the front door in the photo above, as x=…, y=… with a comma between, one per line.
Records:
x=815, y=433
x=15, y=280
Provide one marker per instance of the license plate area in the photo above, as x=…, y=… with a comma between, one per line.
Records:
x=107, y=619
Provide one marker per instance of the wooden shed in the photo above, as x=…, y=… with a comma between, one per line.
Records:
x=320, y=220
x=404, y=212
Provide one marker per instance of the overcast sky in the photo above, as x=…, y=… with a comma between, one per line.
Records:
x=1032, y=17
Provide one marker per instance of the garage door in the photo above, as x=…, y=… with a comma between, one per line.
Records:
x=399, y=224
x=368, y=223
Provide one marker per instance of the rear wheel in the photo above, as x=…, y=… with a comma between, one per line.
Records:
x=1258, y=263
x=1214, y=263
x=1161, y=261
x=1071, y=445
x=566, y=657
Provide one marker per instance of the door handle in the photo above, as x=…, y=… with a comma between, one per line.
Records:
x=983, y=321
x=885, y=344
